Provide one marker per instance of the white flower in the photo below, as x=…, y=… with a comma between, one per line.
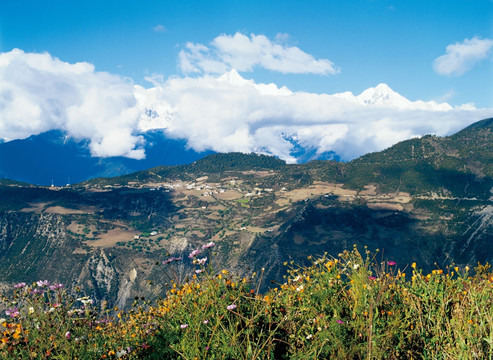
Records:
x=202, y=261
x=355, y=266
x=30, y=310
x=121, y=353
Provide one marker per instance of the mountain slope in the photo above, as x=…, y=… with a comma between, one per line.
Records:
x=426, y=200
x=54, y=157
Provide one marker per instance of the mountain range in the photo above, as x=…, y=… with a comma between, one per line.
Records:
x=66, y=156
x=426, y=200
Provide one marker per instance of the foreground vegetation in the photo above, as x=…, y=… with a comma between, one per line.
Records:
x=350, y=307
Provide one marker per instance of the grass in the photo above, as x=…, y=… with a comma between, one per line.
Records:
x=349, y=307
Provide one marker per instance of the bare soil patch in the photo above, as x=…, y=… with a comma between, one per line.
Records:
x=63, y=211
x=385, y=206
x=35, y=207
x=111, y=237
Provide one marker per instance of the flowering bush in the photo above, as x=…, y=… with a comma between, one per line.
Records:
x=349, y=307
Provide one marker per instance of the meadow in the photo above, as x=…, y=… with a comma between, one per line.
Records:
x=354, y=306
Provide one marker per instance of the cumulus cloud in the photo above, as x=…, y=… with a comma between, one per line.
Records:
x=40, y=93
x=244, y=53
x=221, y=113
x=461, y=57
x=229, y=113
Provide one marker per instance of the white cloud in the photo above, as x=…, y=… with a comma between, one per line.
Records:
x=461, y=57
x=221, y=113
x=159, y=28
x=244, y=53
x=40, y=93
x=230, y=113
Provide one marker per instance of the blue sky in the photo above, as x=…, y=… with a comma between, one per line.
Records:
x=393, y=42
x=355, y=45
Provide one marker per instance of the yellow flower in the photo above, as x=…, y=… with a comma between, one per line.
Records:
x=413, y=265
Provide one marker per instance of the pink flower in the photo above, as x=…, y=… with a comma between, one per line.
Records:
x=231, y=307
x=171, y=259
x=12, y=312
x=20, y=285
x=198, y=271
x=56, y=286
x=372, y=278
x=208, y=245
x=43, y=283
x=68, y=334
x=193, y=254
x=340, y=322
x=391, y=263
x=183, y=326
x=206, y=322
x=202, y=261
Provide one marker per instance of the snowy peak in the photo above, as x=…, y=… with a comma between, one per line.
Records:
x=383, y=95
x=233, y=77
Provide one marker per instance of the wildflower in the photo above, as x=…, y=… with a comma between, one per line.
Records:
x=372, y=278
x=413, y=265
x=68, y=334
x=183, y=326
x=309, y=336
x=340, y=322
x=202, y=261
x=12, y=312
x=20, y=285
x=85, y=300
x=171, y=259
x=299, y=288
x=206, y=322
x=194, y=254
x=355, y=266
x=208, y=245
x=198, y=271
x=231, y=307
x=56, y=286
x=42, y=283
x=37, y=291
x=391, y=263
x=121, y=353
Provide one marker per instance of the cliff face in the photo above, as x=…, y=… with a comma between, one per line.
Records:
x=37, y=246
